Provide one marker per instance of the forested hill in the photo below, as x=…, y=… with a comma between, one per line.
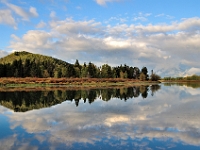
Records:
x=25, y=64
x=29, y=56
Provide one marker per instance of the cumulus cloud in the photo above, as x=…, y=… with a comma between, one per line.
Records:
x=192, y=71
x=34, y=41
x=164, y=47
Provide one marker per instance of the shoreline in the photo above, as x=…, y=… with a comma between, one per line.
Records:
x=71, y=82
x=30, y=82
x=179, y=81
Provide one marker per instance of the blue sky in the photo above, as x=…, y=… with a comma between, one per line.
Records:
x=161, y=35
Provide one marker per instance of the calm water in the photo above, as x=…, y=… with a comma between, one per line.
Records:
x=155, y=117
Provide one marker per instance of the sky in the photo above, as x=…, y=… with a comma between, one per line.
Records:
x=163, y=36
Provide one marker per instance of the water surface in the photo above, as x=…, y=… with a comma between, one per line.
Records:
x=145, y=117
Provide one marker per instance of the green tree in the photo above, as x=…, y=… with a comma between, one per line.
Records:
x=92, y=70
x=77, y=72
x=64, y=71
x=136, y=73
x=145, y=72
x=142, y=77
x=2, y=70
x=70, y=71
x=76, y=64
x=27, y=66
x=57, y=72
x=84, y=71
x=106, y=71
x=155, y=77
x=35, y=70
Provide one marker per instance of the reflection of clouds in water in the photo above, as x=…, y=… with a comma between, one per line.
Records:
x=8, y=143
x=162, y=116
x=190, y=90
x=4, y=110
x=116, y=119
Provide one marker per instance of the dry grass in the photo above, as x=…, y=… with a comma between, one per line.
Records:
x=56, y=80
x=95, y=82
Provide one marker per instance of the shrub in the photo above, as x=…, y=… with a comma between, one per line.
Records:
x=142, y=77
x=155, y=77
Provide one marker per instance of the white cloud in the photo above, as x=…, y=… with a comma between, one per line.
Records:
x=52, y=14
x=162, y=46
x=35, y=40
x=11, y=15
x=165, y=16
x=25, y=14
x=33, y=11
x=117, y=19
x=41, y=24
x=18, y=10
x=141, y=17
x=7, y=18
x=192, y=71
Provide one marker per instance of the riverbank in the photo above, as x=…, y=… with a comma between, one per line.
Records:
x=71, y=82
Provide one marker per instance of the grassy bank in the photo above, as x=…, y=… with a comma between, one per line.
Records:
x=70, y=82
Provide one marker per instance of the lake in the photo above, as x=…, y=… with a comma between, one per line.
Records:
x=165, y=116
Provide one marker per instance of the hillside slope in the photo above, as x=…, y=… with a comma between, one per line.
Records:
x=30, y=56
x=25, y=64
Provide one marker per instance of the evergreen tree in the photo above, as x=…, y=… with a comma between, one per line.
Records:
x=27, y=66
x=57, y=73
x=136, y=73
x=92, y=70
x=145, y=72
x=106, y=71
x=77, y=64
x=2, y=70
x=70, y=71
x=84, y=71
x=64, y=71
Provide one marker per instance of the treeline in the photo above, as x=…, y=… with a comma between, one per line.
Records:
x=48, y=67
x=188, y=78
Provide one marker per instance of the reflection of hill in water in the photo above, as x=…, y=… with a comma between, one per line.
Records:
x=21, y=101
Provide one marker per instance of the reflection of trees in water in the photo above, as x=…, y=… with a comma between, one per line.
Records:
x=144, y=91
x=188, y=84
x=24, y=101
x=106, y=94
x=154, y=88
